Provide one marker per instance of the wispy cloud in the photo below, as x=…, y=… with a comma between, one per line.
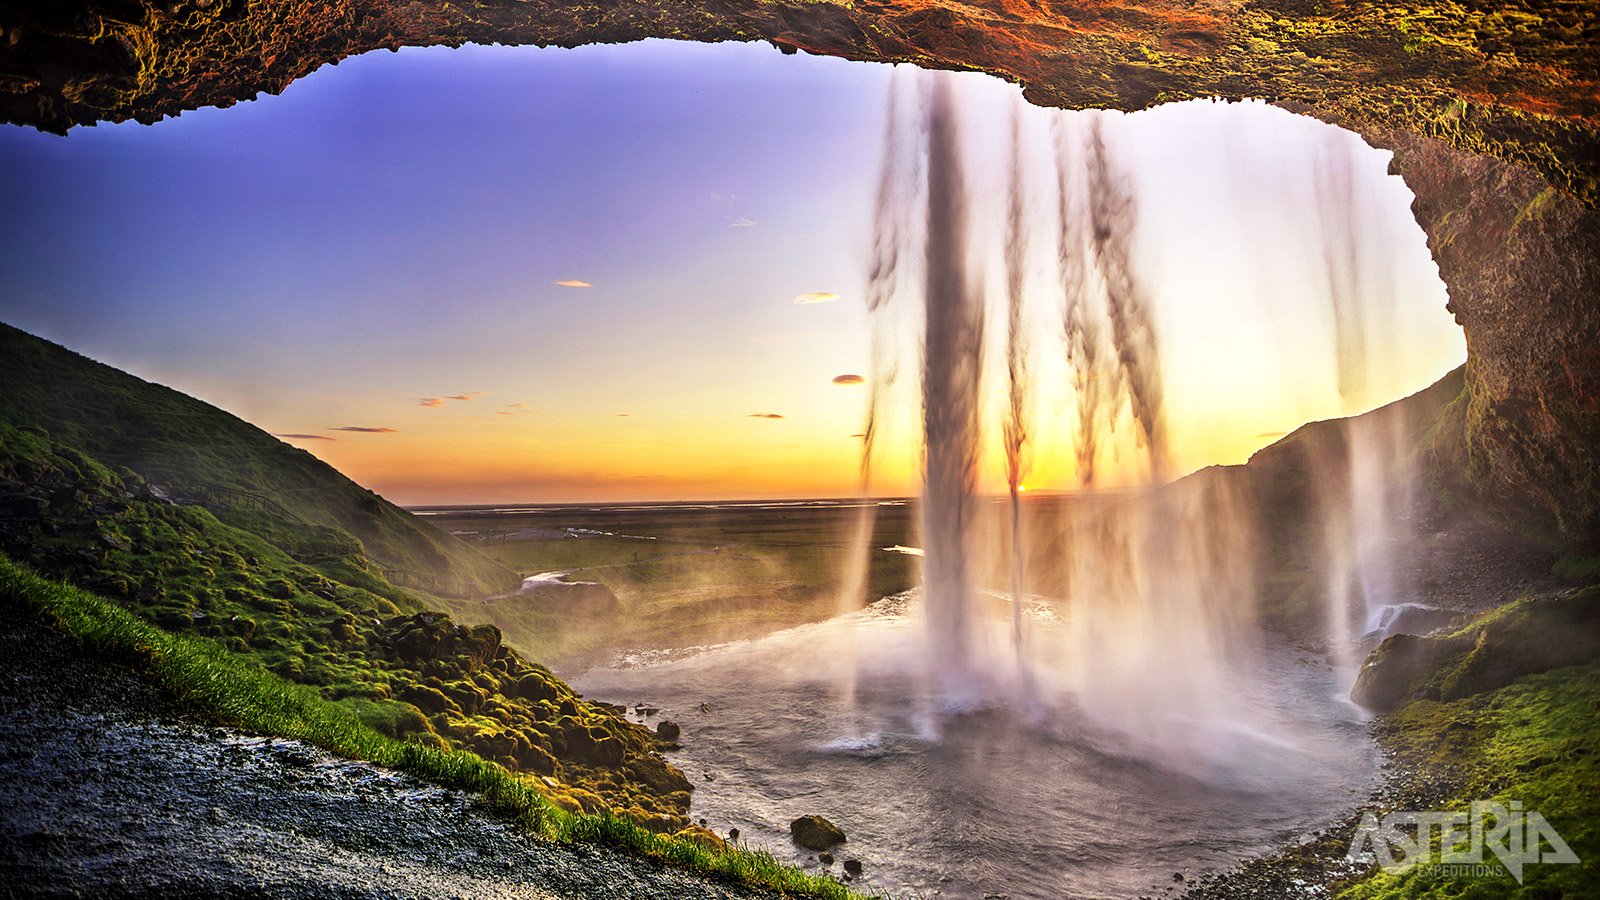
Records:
x=306, y=437
x=572, y=282
x=365, y=430
x=1272, y=434
x=520, y=406
x=763, y=416
x=624, y=415
x=439, y=401
x=815, y=297
x=742, y=222
x=860, y=435
x=848, y=379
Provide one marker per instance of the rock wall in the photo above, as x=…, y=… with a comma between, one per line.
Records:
x=1493, y=110
x=1522, y=262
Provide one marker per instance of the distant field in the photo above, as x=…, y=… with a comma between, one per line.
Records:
x=684, y=576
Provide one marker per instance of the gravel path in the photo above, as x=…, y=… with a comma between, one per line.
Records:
x=105, y=791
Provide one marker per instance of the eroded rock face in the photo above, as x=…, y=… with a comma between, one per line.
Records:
x=1522, y=262
x=1493, y=111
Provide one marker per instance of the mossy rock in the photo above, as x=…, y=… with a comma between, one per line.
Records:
x=704, y=838
x=815, y=833
x=1523, y=638
x=535, y=686
x=428, y=699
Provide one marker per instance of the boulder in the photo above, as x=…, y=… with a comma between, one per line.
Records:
x=667, y=731
x=815, y=833
x=1522, y=638
x=704, y=837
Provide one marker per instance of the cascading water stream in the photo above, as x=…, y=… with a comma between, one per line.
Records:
x=1016, y=428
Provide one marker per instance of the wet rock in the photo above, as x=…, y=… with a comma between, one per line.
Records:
x=667, y=730
x=815, y=833
x=853, y=867
x=658, y=775
x=825, y=858
x=705, y=837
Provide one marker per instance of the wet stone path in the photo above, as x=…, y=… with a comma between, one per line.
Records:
x=105, y=791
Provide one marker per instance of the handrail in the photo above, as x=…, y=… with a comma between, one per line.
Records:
x=427, y=581
x=211, y=490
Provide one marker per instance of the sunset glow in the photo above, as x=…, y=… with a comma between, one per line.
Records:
x=395, y=287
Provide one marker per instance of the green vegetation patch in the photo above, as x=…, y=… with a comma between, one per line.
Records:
x=221, y=687
x=1535, y=741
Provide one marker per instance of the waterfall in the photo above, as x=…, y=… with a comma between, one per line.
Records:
x=1152, y=586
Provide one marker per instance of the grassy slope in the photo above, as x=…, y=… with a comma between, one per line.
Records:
x=205, y=678
x=170, y=438
x=287, y=601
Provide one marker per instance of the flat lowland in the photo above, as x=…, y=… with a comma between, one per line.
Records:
x=672, y=576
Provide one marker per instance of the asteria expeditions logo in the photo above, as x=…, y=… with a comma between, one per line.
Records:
x=1404, y=841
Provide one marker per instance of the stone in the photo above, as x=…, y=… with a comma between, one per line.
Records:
x=667, y=730
x=704, y=837
x=853, y=866
x=815, y=833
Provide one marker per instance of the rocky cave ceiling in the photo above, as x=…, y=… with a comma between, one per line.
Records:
x=1491, y=109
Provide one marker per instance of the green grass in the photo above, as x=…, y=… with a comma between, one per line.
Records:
x=1537, y=741
x=204, y=678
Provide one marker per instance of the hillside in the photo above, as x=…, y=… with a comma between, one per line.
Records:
x=122, y=488
x=183, y=445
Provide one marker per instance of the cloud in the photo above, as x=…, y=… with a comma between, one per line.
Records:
x=1272, y=434
x=365, y=430
x=519, y=405
x=848, y=379
x=624, y=415
x=572, y=282
x=439, y=401
x=861, y=435
x=306, y=437
x=742, y=222
x=815, y=297
x=501, y=412
x=763, y=416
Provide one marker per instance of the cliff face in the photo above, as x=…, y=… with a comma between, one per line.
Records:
x=1522, y=261
x=1493, y=111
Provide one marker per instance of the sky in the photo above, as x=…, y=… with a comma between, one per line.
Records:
x=623, y=272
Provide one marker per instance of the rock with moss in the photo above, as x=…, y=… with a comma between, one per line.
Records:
x=1522, y=638
x=815, y=833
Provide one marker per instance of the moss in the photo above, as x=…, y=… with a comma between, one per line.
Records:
x=200, y=676
x=1521, y=638
x=1535, y=741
